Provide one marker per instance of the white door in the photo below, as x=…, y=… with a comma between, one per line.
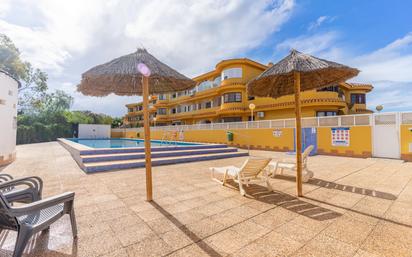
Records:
x=386, y=136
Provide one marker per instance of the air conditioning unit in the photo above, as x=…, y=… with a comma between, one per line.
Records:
x=261, y=114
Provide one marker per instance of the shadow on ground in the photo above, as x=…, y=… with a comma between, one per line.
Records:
x=37, y=246
x=288, y=202
x=341, y=187
x=195, y=239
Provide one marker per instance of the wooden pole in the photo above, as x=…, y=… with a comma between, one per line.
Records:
x=146, y=124
x=296, y=76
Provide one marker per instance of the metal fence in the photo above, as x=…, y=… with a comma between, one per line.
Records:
x=332, y=121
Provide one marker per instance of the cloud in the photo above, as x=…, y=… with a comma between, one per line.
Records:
x=4, y=7
x=388, y=68
x=323, y=44
x=319, y=21
x=392, y=62
x=394, y=96
x=65, y=38
x=208, y=31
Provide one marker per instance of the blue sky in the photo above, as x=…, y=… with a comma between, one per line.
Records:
x=64, y=38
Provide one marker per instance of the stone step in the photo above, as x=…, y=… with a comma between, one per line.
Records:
x=160, y=154
x=153, y=149
x=128, y=164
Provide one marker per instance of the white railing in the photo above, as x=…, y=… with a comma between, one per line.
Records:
x=331, y=121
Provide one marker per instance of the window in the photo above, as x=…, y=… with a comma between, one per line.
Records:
x=162, y=111
x=174, y=110
x=357, y=99
x=232, y=73
x=208, y=105
x=217, y=101
x=130, y=109
x=326, y=113
x=14, y=122
x=232, y=119
x=250, y=98
x=216, y=81
x=204, y=85
x=10, y=92
x=232, y=98
x=2, y=101
x=330, y=89
x=162, y=97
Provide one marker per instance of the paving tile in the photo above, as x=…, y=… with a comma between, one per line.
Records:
x=349, y=230
x=98, y=244
x=199, y=250
x=115, y=220
x=323, y=245
x=209, y=209
x=295, y=232
x=125, y=221
x=227, y=241
x=203, y=228
x=164, y=224
x=132, y=234
x=178, y=239
x=275, y=244
x=274, y=218
x=389, y=239
x=227, y=218
x=152, y=246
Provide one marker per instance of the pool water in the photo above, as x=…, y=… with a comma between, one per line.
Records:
x=123, y=143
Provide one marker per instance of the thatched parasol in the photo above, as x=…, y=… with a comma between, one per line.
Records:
x=298, y=72
x=121, y=76
x=129, y=75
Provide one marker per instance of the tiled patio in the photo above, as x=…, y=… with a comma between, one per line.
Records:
x=353, y=207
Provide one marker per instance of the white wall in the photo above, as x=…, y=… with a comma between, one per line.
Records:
x=8, y=118
x=94, y=131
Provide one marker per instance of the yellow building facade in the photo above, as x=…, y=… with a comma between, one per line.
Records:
x=221, y=96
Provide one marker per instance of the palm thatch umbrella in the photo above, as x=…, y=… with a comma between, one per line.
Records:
x=298, y=72
x=129, y=75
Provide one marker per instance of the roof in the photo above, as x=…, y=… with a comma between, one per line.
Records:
x=220, y=65
x=11, y=76
x=354, y=85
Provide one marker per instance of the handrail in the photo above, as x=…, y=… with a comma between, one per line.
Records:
x=329, y=121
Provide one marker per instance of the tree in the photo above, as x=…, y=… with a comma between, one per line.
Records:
x=117, y=122
x=47, y=121
x=33, y=81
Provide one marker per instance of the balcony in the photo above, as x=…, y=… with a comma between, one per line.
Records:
x=231, y=84
x=309, y=98
x=195, y=114
x=235, y=108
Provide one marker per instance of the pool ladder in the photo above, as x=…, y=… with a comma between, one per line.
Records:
x=170, y=134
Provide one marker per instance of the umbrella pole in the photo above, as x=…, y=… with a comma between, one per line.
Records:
x=296, y=76
x=146, y=124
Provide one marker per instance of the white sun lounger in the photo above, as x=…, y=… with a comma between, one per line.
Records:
x=290, y=164
x=249, y=171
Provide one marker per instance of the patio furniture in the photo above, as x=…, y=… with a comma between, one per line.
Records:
x=23, y=190
x=29, y=219
x=290, y=164
x=249, y=171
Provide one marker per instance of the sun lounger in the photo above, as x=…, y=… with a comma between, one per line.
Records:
x=249, y=171
x=290, y=164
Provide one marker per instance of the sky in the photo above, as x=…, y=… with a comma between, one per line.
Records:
x=66, y=38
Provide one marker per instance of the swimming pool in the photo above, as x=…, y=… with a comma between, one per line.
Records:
x=123, y=143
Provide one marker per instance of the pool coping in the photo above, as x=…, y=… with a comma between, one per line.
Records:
x=78, y=150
